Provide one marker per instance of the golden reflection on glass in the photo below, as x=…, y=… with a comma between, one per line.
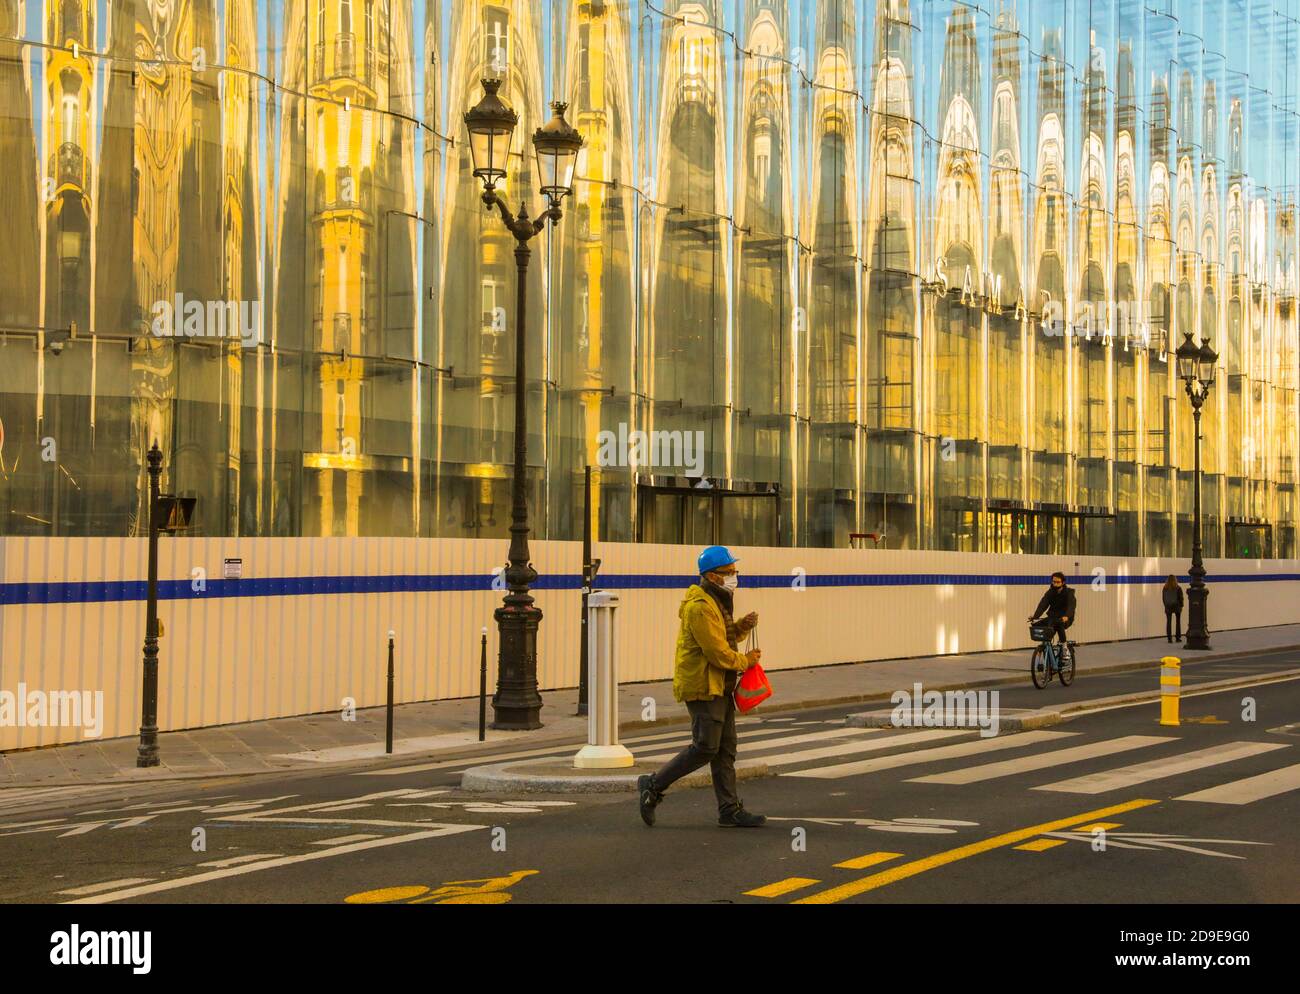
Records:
x=905, y=268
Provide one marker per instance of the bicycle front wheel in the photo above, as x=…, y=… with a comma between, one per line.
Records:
x=1067, y=666
x=1038, y=671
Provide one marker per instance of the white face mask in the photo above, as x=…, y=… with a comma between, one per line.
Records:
x=731, y=582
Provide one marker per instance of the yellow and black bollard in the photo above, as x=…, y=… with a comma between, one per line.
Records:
x=1171, y=687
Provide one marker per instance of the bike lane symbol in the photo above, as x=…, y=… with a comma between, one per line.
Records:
x=489, y=890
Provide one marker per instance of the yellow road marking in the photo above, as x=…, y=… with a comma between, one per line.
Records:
x=782, y=887
x=385, y=894
x=1099, y=826
x=885, y=877
x=491, y=890
x=871, y=859
x=1038, y=845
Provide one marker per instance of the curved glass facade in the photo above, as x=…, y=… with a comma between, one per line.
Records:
x=913, y=270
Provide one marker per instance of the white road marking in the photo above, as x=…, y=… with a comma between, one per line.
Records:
x=1043, y=760
x=158, y=805
x=234, y=806
x=26, y=824
x=314, y=812
x=322, y=805
x=682, y=734
x=132, y=822
x=433, y=832
x=872, y=744
x=913, y=826
x=784, y=740
x=89, y=826
x=8, y=794
x=1157, y=840
x=343, y=840
x=1129, y=776
x=236, y=860
x=500, y=757
x=1014, y=741
x=1251, y=789
x=106, y=885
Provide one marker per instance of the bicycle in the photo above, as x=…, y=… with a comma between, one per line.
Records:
x=1049, y=658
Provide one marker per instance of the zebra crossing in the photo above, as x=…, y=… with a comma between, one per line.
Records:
x=1158, y=769
x=1044, y=760
x=835, y=752
x=1050, y=753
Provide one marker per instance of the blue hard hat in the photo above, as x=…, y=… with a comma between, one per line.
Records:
x=715, y=556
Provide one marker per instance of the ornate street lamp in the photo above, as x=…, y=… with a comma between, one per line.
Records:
x=1196, y=366
x=516, y=703
x=168, y=514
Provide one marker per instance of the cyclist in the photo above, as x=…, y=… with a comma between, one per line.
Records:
x=1058, y=604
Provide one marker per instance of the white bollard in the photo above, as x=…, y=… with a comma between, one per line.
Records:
x=602, y=751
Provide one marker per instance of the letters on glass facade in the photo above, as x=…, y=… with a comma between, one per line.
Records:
x=904, y=269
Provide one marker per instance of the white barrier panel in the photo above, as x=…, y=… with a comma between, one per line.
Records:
x=305, y=626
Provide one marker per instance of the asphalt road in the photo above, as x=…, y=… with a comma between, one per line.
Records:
x=1016, y=817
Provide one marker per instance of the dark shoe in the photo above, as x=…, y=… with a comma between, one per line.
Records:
x=649, y=797
x=740, y=818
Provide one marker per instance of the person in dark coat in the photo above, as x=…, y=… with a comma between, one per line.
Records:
x=1172, y=596
x=1058, y=604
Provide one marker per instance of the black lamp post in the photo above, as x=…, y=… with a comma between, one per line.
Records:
x=167, y=513
x=1196, y=370
x=517, y=704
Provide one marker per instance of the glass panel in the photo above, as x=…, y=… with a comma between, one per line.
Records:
x=905, y=268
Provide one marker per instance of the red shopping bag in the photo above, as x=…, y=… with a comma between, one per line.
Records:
x=753, y=688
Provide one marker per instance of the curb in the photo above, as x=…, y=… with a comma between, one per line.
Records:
x=518, y=778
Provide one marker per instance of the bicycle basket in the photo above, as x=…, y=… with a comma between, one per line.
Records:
x=1041, y=631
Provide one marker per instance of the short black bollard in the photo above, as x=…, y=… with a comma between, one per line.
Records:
x=388, y=736
x=482, y=689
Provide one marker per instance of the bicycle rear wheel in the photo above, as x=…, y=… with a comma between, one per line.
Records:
x=1038, y=670
x=1066, y=671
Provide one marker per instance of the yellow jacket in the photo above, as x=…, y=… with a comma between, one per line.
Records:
x=703, y=655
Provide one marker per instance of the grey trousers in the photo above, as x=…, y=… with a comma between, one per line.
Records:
x=713, y=742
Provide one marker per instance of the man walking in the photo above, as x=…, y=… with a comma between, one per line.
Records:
x=705, y=672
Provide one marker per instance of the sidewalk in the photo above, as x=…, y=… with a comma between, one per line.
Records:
x=450, y=728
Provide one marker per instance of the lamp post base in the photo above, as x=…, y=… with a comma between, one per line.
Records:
x=1198, y=634
x=147, y=754
x=516, y=706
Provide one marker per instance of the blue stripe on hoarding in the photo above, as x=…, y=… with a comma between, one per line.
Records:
x=89, y=592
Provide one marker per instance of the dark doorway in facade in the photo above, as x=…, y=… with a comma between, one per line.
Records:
x=1249, y=539
x=707, y=512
